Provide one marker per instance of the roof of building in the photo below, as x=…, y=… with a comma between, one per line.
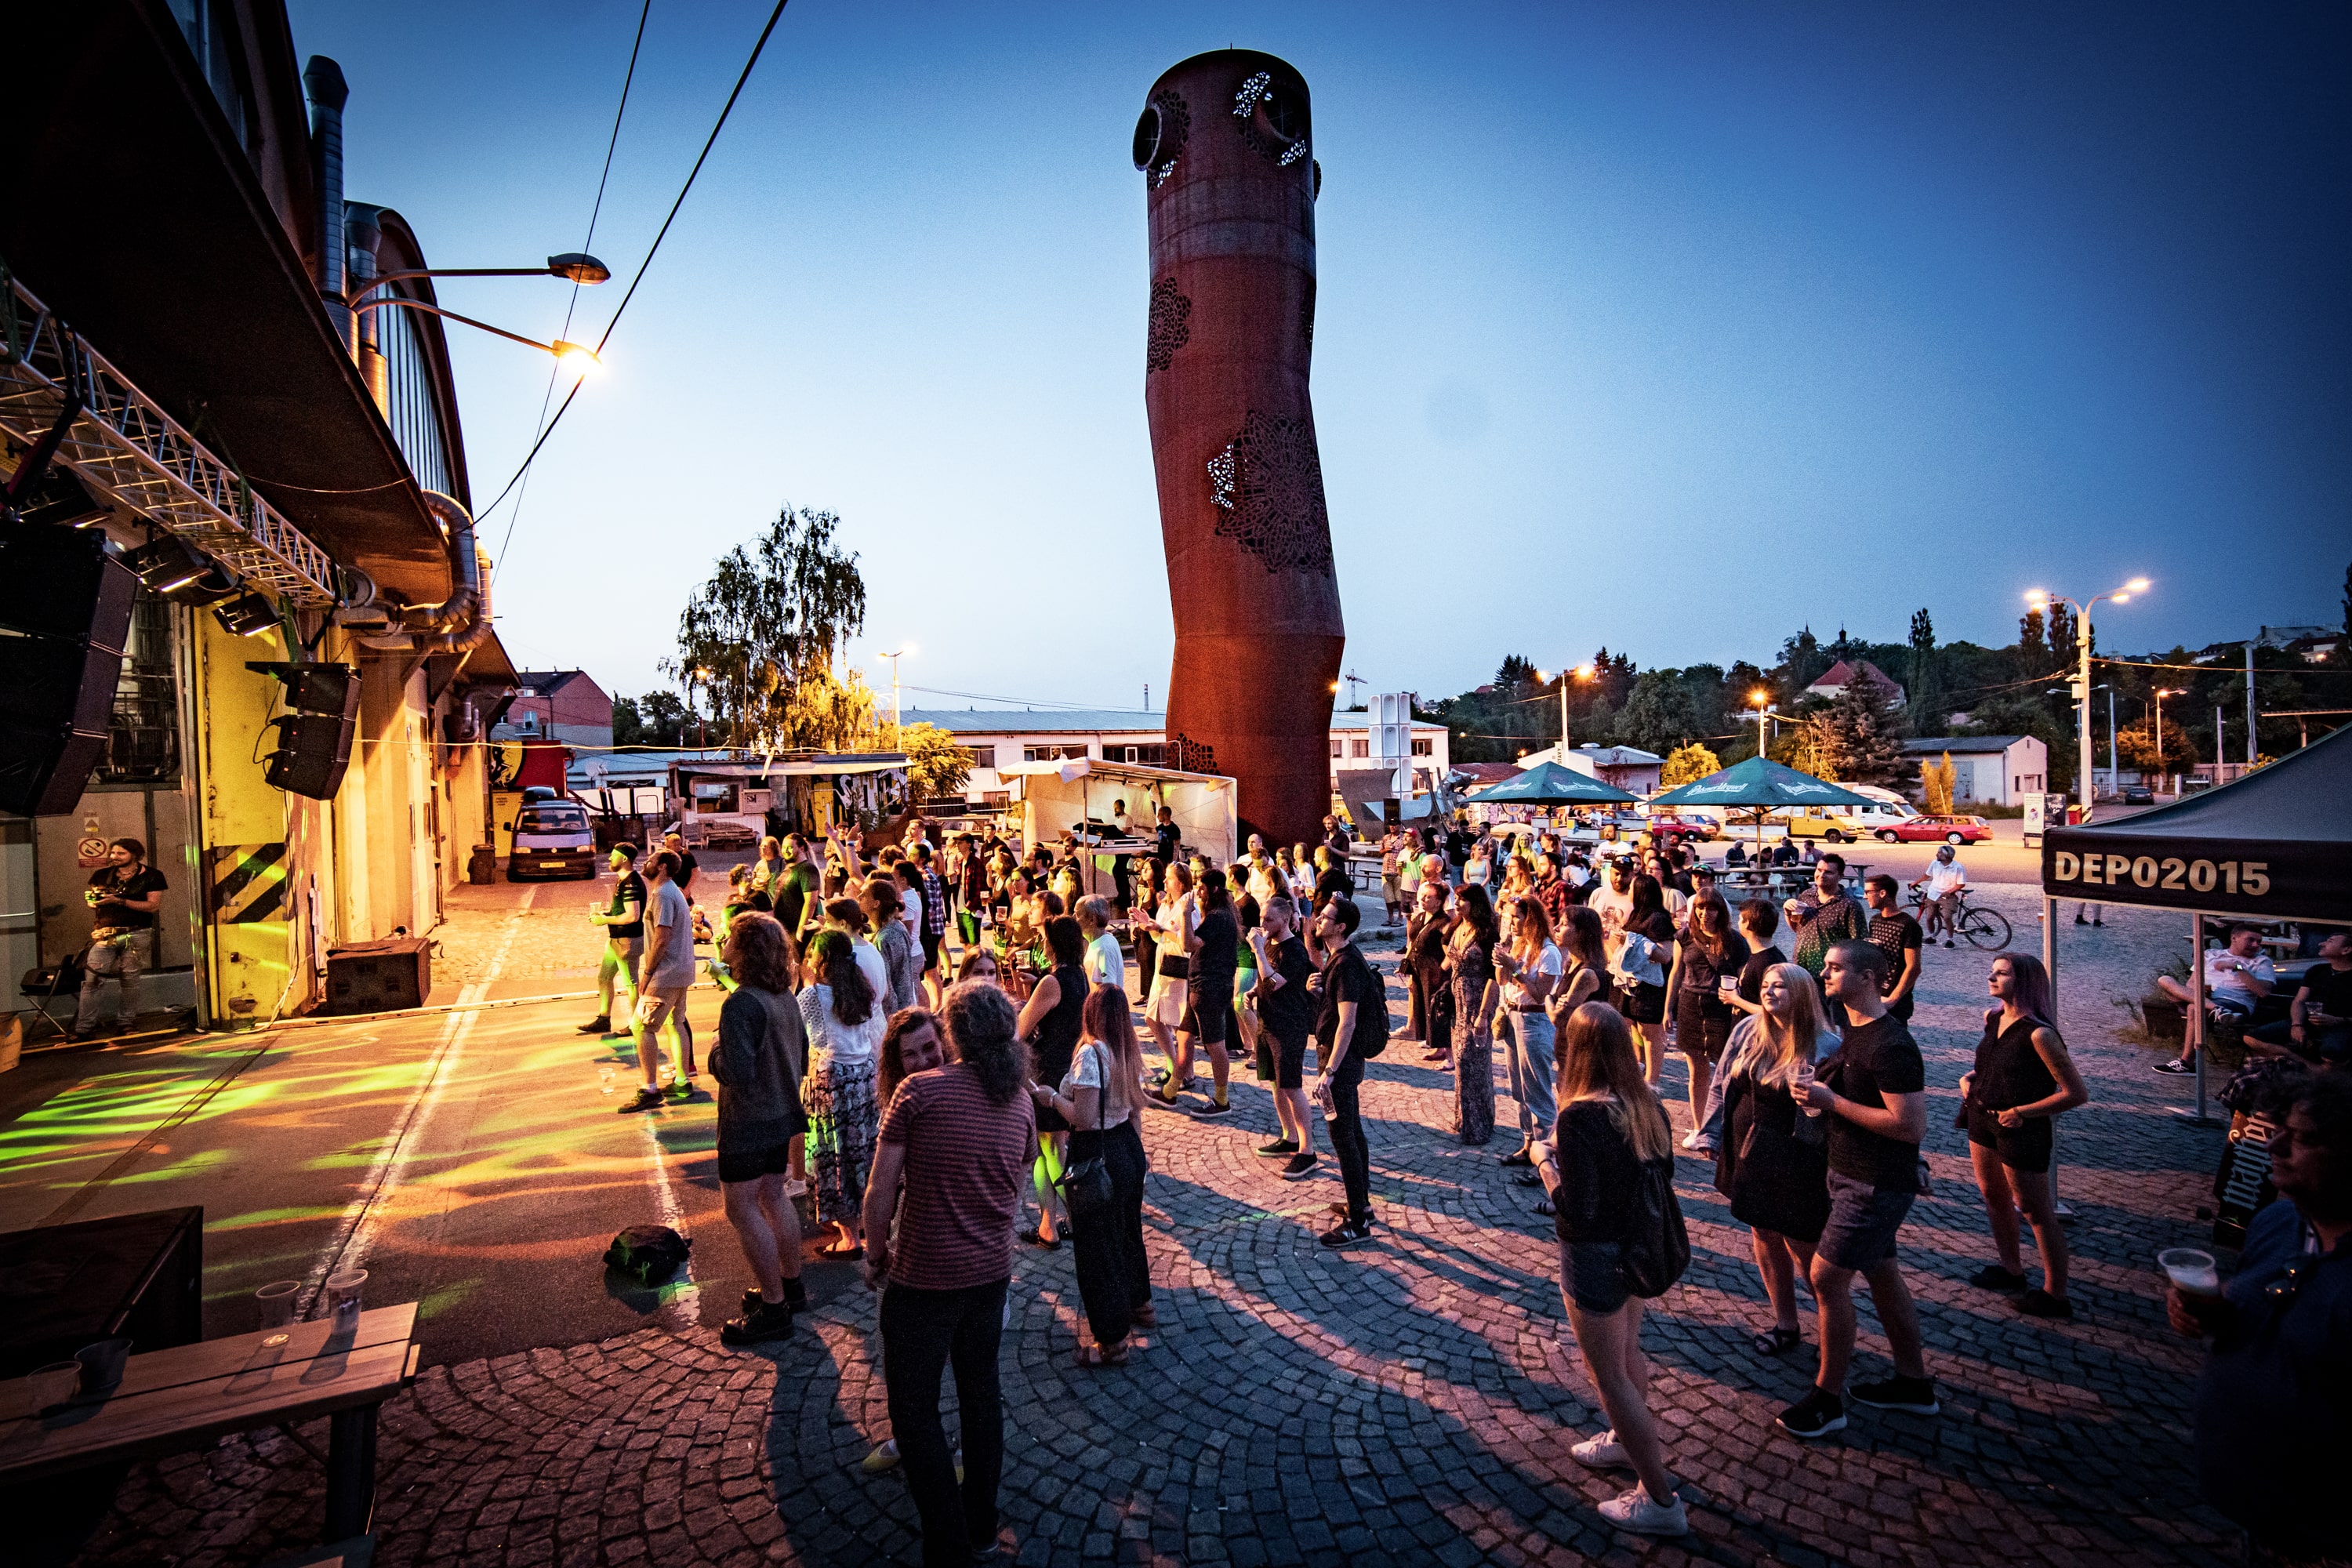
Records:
x=547, y=682
x=1839, y=675
x=1078, y=721
x=1486, y=772
x=1617, y=756
x=1964, y=742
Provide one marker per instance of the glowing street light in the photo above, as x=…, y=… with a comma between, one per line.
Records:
x=894, y=658
x=2042, y=599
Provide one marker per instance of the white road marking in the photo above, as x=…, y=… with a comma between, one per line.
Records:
x=356, y=1233
x=681, y=1306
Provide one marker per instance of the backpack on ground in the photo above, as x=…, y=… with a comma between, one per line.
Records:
x=649, y=1254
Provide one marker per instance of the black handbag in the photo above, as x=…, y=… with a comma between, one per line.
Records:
x=1086, y=1186
x=1659, y=1249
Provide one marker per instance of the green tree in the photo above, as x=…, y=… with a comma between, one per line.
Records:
x=1658, y=714
x=1688, y=765
x=2138, y=744
x=1925, y=697
x=1514, y=672
x=769, y=622
x=656, y=719
x=1857, y=739
x=937, y=768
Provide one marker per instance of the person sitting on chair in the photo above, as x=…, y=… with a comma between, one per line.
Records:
x=2237, y=975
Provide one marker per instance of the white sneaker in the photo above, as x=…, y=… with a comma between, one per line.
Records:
x=1690, y=1138
x=1602, y=1453
x=1637, y=1511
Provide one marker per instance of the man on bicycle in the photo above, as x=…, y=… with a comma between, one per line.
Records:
x=1944, y=881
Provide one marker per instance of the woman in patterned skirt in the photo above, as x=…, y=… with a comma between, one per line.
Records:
x=845, y=1023
x=1470, y=955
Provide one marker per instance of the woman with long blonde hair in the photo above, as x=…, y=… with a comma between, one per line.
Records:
x=1612, y=1138
x=1771, y=1158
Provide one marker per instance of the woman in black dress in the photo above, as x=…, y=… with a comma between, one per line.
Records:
x=1470, y=953
x=1050, y=1020
x=1771, y=1157
x=1708, y=954
x=2023, y=1077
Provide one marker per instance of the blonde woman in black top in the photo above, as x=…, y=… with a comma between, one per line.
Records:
x=1612, y=1130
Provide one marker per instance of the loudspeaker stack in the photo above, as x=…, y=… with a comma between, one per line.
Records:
x=314, y=741
x=65, y=615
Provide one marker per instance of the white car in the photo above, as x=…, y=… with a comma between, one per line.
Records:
x=552, y=839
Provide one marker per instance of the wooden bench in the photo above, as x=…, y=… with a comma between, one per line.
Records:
x=189, y=1396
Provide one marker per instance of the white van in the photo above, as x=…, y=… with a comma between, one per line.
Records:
x=552, y=839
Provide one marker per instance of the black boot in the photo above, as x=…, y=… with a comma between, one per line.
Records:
x=768, y=1322
x=598, y=1025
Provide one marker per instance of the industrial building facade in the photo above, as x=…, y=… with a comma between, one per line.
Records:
x=286, y=479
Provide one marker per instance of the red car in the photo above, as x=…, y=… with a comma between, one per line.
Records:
x=1929, y=829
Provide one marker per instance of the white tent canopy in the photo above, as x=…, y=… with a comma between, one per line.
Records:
x=1059, y=796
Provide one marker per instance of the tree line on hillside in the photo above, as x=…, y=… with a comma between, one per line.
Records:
x=1693, y=715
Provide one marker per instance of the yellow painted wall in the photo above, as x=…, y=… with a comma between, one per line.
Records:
x=248, y=963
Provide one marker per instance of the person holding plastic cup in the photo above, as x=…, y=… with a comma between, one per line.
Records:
x=2273, y=1424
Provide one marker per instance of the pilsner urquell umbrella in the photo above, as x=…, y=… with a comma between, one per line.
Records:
x=1548, y=784
x=1762, y=784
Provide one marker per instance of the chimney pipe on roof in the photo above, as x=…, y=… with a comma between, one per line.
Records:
x=323, y=78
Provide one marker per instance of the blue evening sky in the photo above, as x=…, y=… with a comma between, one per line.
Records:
x=1668, y=326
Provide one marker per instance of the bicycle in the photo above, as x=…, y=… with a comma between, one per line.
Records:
x=1983, y=928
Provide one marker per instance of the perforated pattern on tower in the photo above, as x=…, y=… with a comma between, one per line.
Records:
x=1171, y=325
x=1268, y=483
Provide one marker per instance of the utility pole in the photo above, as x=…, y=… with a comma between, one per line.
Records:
x=2114, y=763
x=2250, y=753
x=2220, y=745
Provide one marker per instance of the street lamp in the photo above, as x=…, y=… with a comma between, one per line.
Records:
x=1583, y=673
x=2042, y=599
x=1761, y=708
x=575, y=266
x=894, y=658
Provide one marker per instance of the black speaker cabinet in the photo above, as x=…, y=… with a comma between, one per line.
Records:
x=69, y=605
x=313, y=749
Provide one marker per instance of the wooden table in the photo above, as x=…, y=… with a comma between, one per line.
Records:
x=174, y=1400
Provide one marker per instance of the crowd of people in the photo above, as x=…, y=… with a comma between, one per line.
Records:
x=935, y=1126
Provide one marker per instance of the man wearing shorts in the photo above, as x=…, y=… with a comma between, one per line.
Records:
x=1286, y=1012
x=624, y=921
x=665, y=975
x=1209, y=999
x=1874, y=1094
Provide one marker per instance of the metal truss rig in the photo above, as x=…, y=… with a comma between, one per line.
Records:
x=126, y=447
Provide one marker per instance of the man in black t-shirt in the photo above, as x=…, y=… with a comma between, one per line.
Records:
x=1350, y=990
x=2319, y=1021
x=1758, y=923
x=1898, y=936
x=1873, y=1092
x=624, y=921
x=1169, y=840
x=1286, y=1012
x=122, y=899
x=1332, y=879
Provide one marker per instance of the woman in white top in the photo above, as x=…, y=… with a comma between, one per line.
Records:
x=1529, y=966
x=842, y=1011
x=1102, y=1101
x=1175, y=924
x=1105, y=964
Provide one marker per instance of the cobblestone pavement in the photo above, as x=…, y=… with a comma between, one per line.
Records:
x=1408, y=1401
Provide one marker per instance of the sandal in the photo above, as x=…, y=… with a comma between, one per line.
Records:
x=1095, y=1356
x=1037, y=1238
x=1777, y=1341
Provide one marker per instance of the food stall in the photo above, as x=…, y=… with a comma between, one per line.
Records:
x=733, y=804
x=1077, y=797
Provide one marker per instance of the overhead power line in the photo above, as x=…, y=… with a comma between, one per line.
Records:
x=588, y=244
x=651, y=251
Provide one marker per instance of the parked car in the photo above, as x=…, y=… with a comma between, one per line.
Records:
x=1682, y=825
x=552, y=839
x=1930, y=829
x=2138, y=795
x=1844, y=824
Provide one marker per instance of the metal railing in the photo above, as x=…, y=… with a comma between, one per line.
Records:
x=126, y=447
